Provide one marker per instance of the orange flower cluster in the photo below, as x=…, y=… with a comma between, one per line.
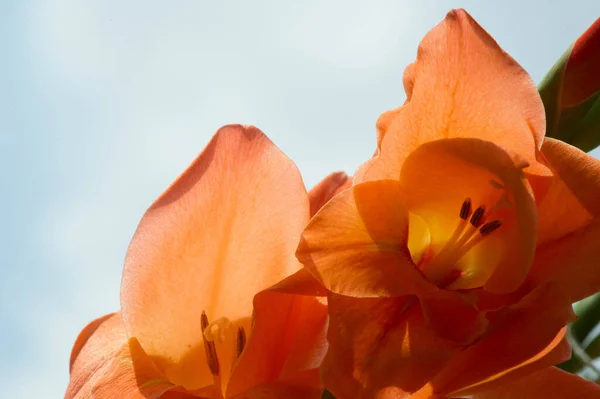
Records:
x=446, y=268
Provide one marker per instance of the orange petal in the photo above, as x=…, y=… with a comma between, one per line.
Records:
x=568, y=252
x=98, y=341
x=104, y=365
x=571, y=262
x=463, y=85
x=435, y=180
x=288, y=339
x=223, y=231
x=572, y=199
x=131, y=374
x=519, y=335
x=302, y=282
x=453, y=318
x=379, y=345
x=553, y=354
x=281, y=389
x=356, y=244
x=327, y=189
x=89, y=331
x=550, y=383
x=384, y=122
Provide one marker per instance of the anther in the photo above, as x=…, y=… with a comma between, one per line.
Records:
x=240, y=342
x=490, y=227
x=465, y=209
x=209, y=346
x=477, y=218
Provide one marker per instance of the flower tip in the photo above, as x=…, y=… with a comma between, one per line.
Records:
x=457, y=13
x=339, y=177
x=250, y=131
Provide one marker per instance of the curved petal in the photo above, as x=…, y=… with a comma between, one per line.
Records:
x=281, y=389
x=379, y=347
x=131, y=374
x=383, y=124
x=452, y=317
x=327, y=189
x=568, y=253
x=550, y=383
x=519, y=336
x=89, y=331
x=552, y=355
x=98, y=341
x=288, y=340
x=463, y=85
x=435, y=180
x=571, y=263
x=105, y=365
x=572, y=199
x=223, y=231
x=356, y=244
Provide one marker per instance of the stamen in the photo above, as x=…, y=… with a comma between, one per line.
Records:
x=490, y=227
x=477, y=218
x=209, y=346
x=241, y=341
x=465, y=209
x=216, y=329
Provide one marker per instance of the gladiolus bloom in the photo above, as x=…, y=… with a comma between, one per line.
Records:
x=198, y=318
x=571, y=92
x=452, y=262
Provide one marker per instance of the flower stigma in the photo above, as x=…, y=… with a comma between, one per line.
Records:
x=472, y=227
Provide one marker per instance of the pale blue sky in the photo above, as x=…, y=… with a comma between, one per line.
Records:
x=103, y=103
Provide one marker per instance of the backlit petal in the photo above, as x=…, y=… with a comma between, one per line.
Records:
x=356, y=244
x=463, y=85
x=568, y=253
x=98, y=342
x=106, y=366
x=283, y=390
x=226, y=229
x=550, y=383
x=519, y=335
x=288, y=339
x=572, y=199
x=327, y=189
x=435, y=180
x=381, y=347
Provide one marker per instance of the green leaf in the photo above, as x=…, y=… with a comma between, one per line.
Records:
x=550, y=90
x=327, y=395
x=583, y=124
x=588, y=313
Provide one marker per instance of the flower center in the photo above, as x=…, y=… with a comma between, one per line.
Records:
x=218, y=337
x=449, y=262
x=471, y=229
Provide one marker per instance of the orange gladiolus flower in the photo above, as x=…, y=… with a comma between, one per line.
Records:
x=191, y=322
x=452, y=262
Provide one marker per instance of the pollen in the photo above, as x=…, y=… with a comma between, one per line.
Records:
x=477, y=218
x=465, y=209
x=216, y=330
x=490, y=227
x=240, y=342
